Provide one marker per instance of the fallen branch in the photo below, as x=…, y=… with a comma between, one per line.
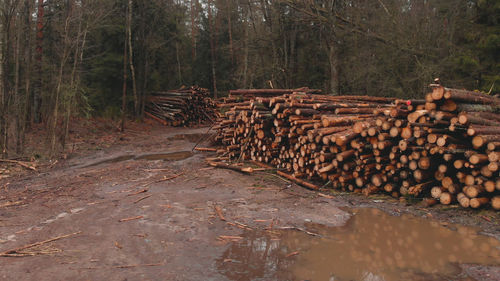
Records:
x=298, y=181
x=247, y=170
x=218, y=210
x=292, y=254
x=9, y=204
x=326, y=196
x=142, y=198
x=299, y=229
x=15, y=252
x=131, y=218
x=139, y=192
x=206, y=149
x=20, y=163
x=229, y=237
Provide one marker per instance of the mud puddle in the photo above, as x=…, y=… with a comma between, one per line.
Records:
x=373, y=245
x=172, y=156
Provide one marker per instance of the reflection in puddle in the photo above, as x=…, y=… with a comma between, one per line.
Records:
x=173, y=156
x=373, y=245
x=260, y=256
x=189, y=137
x=111, y=160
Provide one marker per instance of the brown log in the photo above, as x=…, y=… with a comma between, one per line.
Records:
x=463, y=200
x=271, y=92
x=436, y=191
x=482, y=130
x=478, y=202
x=446, y=198
x=473, y=191
x=480, y=140
x=495, y=202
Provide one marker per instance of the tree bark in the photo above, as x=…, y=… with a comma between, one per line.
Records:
x=62, y=63
x=17, y=95
x=193, y=29
x=179, y=72
x=37, y=91
x=334, y=64
x=212, y=48
x=231, y=51
x=124, y=87
x=245, y=56
x=28, y=102
x=131, y=61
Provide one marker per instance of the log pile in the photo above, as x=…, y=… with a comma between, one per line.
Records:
x=182, y=107
x=242, y=97
x=446, y=147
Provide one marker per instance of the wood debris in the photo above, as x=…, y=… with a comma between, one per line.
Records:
x=182, y=107
x=131, y=218
x=21, y=251
x=446, y=146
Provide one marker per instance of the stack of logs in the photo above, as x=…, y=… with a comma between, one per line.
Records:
x=241, y=99
x=182, y=107
x=445, y=148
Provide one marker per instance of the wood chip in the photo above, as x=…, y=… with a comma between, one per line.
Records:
x=218, y=211
x=292, y=254
x=326, y=195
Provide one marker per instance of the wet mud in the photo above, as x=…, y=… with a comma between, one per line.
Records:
x=171, y=156
x=373, y=245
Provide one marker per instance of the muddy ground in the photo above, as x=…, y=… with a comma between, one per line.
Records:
x=134, y=215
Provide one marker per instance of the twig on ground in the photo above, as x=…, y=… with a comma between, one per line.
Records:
x=20, y=163
x=299, y=229
x=142, y=198
x=16, y=252
x=218, y=210
x=131, y=218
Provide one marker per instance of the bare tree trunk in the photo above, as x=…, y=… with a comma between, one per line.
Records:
x=28, y=102
x=212, y=47
x=124, y=88
x=292, y=66
x=37, y=93
x=145, y=85
x=17, y=97
x=3, y=94
x=179, y=72
x=245, y=59
x=230, y=31
x=74, y=80
x=64, y=58
x=8, y=12
x=193, y=29
x=334, y=72
x=131, y=61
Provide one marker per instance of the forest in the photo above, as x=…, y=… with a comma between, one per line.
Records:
x=61, y=59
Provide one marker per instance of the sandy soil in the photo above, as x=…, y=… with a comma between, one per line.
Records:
x=177, y=213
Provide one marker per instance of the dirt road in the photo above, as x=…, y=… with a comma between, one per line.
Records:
x=149, y=209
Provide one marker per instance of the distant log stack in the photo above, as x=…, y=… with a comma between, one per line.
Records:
x=446, y=146
x=242, y=97
x=182, y=107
